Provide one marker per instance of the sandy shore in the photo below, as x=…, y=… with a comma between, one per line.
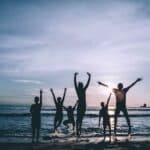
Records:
x=78, y=145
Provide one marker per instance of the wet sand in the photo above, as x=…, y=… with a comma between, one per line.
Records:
x=73, y=146
x=79, y=144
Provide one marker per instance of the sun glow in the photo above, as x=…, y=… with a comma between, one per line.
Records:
x=111, y=112
x=108, y=90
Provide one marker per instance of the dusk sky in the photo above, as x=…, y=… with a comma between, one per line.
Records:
x=42, y=44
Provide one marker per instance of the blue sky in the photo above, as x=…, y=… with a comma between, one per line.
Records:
x=42, y=43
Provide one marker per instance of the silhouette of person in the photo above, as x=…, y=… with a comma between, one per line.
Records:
x=70, y=114
x=81, y=107
x=106, y=119
x=120, y=94
x=59, y=109
x=35, y=111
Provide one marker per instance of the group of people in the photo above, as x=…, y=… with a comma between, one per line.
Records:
x=120, y=94
x=80, y=106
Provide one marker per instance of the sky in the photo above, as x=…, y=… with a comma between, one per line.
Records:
x=42, y=44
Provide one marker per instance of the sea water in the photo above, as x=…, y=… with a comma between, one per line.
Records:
x=15, y=122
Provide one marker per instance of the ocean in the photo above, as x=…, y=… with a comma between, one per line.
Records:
x=15, y=122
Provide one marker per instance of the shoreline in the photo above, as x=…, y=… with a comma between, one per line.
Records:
x=144, y=145
x=83, y=143
x=71, y=137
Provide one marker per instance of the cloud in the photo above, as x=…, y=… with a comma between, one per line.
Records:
x=27, y=81
x=48, y=41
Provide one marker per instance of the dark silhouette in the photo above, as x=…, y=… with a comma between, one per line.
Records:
x=106, y=119
x=70, y=113
x=81, y=108
x=144, y=105
x=59, y=109
x=120, y=94
x=36, y=117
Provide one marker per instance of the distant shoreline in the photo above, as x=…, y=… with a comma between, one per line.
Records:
x=88, y=107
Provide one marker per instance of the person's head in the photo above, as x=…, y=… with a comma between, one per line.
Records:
x=36, y=99
x=102, y=104
x=58, y=99
x=80, y=85
x=120, y=86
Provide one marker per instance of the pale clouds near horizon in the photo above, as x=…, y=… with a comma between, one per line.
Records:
x=47, y=41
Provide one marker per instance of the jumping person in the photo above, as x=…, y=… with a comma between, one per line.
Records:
x=35, y=111
x=120, y=94
x=70, y=114
x=81, y=107
x=106, y=119
x=59, y=109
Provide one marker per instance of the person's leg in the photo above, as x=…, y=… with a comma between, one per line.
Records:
x=66, y=123
x=38, y=134
x=77, y=123
x=73, y=125
x=80, y=123
x=127, y=119
x=55, y=123
x=80, y=126
x=60, y=118
x=38, y=125
x=33, y=134
x=109, y=126
x=117, y=111
x=77, y=127
x=104, y=131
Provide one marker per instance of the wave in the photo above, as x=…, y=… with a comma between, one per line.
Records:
x=97, y=109
x=83, y=136
x=52, y=114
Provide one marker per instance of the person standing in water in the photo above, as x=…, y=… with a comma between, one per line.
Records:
x=70, y=114
x=35, y=111
x=120, y=94
x=81, y=108
x=106, y=119
x=59, y=109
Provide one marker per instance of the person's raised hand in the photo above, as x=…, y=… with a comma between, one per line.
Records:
x=139, y=79
x=76, y=73
x=99, y=82
x=88, y=74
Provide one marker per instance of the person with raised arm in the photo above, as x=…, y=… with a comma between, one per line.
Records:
x=81, y=107
x=103, y=113
x=35, y=111
x=70, y=114
x=120, y=94
x=59, y=109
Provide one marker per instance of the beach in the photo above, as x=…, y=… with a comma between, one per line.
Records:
x=79, y=145
x=61, y=142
